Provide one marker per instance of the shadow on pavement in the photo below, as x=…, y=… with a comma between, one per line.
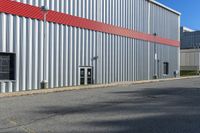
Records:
x=150, y=110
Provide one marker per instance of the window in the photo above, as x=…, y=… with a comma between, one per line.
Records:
x=7, y=66
x=166, y=68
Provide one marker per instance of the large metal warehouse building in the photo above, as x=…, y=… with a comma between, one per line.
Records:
x=76, y=42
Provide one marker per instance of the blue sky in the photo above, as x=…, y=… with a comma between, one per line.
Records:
x=190, y=10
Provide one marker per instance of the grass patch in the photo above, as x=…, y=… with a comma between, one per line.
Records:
x=189, y=72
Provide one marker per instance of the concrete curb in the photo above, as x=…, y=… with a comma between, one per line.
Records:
x=55, y=90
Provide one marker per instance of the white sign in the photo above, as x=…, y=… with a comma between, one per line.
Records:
x=156, y=56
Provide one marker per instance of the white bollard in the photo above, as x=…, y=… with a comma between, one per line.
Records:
x=9, y=86
x=2, y=87
x=13, y=86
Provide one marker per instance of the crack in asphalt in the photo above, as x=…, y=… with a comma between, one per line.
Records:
x=23, y=127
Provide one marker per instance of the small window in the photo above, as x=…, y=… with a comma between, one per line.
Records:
x=7, y=66
x=166, y=68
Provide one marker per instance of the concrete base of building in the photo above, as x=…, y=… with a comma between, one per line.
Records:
x=46, y=91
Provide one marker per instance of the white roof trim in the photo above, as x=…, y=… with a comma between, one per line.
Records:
x=186, y=29
x=161, y=5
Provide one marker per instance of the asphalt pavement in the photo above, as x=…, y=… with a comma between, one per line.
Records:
x=160, y=107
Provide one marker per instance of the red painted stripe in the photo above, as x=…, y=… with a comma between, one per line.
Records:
x=29, y=11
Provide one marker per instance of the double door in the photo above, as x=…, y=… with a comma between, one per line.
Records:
x=85, y=75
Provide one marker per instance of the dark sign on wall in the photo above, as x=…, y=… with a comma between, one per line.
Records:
x=7, y=66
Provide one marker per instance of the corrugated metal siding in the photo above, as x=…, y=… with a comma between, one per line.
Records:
x=118, y=58
x=190, y=59
x=116, y=12
x=164, y=23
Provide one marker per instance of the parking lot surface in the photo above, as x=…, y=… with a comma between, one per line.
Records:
x=161, y=107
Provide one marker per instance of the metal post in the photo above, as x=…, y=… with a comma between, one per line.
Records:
x=195, y=51
x=45, y=46
x=193, y=45
x=44, y=83
x=149, y=23
x=198, y=59
x=155, y=58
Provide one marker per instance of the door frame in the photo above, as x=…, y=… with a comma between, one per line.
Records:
x=86, y=70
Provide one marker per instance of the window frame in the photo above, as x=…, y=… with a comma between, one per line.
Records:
x=165, y=68
x=12, y=66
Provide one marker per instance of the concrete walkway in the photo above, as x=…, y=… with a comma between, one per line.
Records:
x=45, y=91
